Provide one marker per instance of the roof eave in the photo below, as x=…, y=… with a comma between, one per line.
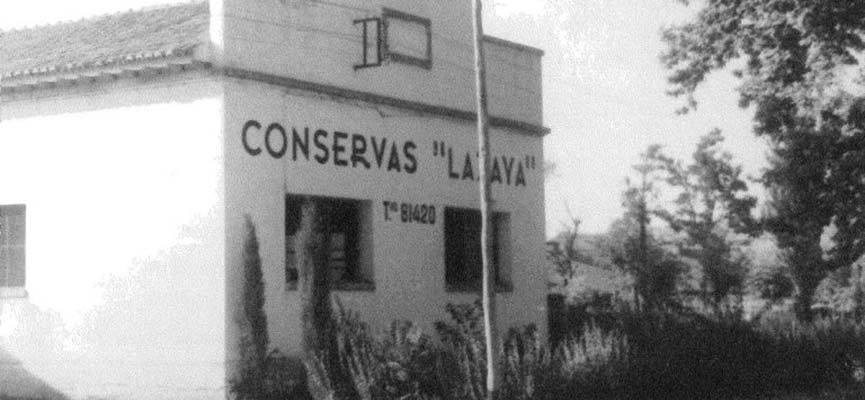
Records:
x=126, y=68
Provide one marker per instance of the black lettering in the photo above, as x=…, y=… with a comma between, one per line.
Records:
x=358, y=149
x=250, y=124
x=521, y=177
x=415, y=213
x=378, y=151
x=297, y=142
x=275, y=153
x=407, y=149
x=451, y=173
x=496, y=174
x=509, y=168
x=467, y=168
x=405, y=212
x=339, y=148
x=325, y=152
x=393, y=162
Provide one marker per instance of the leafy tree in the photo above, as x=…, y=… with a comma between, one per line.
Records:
x=713, y=210
x=634, y=249
x=587, y=278
x=801, y=74
x=770, y=278
x=564, y=254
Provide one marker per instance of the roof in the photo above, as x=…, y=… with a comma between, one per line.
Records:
x=143, y=41
x=514, y=45
x=116, y=39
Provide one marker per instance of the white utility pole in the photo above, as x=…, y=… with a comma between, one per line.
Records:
x=489, y=295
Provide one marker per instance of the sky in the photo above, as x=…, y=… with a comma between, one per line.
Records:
x=605, y=100
x=604, y=92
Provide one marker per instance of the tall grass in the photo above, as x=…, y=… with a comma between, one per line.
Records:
x=665, y=356
x=404, y=363
x=641, y=356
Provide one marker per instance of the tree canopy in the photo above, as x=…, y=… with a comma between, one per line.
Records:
x=799, y=66
x=637, y=251
x=712, y=209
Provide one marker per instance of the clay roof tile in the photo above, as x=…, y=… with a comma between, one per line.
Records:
x=122, y=37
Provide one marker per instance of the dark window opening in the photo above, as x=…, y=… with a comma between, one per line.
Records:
x=347, y=224
x=12, y=245
x=463, y=267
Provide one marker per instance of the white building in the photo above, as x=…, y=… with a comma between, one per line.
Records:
x=132, y=146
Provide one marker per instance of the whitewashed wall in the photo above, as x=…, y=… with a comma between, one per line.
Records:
x=136, y=192
x=319, y=42
x=408, y=258
x=125, y=283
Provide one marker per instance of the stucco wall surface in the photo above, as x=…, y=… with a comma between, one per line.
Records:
x=319, y=41
x=408, y=258
x=124, y=242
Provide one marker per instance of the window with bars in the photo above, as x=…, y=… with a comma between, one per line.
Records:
x=12, y=245
x=348, y=227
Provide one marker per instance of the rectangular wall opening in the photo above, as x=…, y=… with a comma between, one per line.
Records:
x=348, y=224
x=463, y=267
x=12, y=246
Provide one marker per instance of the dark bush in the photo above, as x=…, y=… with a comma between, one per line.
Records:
x=641, y=356
x=280, y=378
x=687, y=356
x=402, y=363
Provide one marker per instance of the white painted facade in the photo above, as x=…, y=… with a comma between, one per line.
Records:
x=125, y=240
x=136, y=188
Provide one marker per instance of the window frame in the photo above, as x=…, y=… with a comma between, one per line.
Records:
x=501, y=251
x=357, y=244
x=379, y=42
x=8, y=288
x=389, y=14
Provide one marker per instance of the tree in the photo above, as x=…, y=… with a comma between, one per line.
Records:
x=313, y=275
x=713, y=210
x=564, y=254
x=802, y=76
x=634, y=249
x=312, y=246
x=770, y=278
x=251, y=319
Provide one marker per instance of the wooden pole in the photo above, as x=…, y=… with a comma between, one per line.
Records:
x=488, y=294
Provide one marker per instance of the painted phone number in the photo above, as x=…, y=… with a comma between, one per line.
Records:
x=409, y=213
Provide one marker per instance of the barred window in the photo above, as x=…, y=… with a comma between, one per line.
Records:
x=350, y=242
x=12, y=245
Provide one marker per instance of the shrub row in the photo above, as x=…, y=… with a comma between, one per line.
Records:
x=643, y=356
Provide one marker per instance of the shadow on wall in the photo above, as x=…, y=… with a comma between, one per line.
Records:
x=31, y=338
x=16, y=383
x=156, y=332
